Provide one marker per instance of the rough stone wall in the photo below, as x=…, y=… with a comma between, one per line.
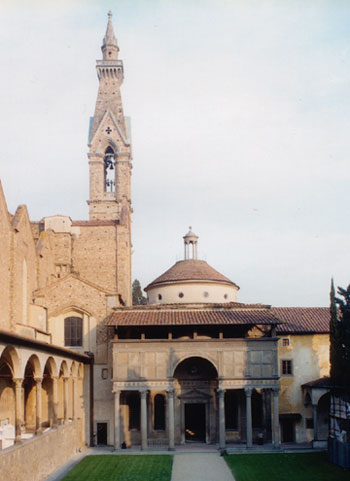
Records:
x=63, y=248
x=46, y=259
x=124, y=262
x=5, y=263
x=71, y=291
x=24, y=266
x=37, y=458
x=94, y=255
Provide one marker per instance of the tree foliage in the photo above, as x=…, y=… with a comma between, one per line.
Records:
x=138, y=299
x=340, y=336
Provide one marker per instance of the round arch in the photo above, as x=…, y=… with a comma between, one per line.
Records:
x=11, y=358
x=188, y=358
x=64, y=371
x=195, y=367
x=34, y=361
x=108, y=143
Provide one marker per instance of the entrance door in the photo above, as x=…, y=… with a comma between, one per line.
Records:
x=287, y=428
x=102, y=433
x=195, y=422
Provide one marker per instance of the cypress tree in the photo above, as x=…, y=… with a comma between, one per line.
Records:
x=343, y=328
x=335, y=348
x=138, y=298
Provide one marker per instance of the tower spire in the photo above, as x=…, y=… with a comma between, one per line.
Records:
x=110, y=45
x=109, y=142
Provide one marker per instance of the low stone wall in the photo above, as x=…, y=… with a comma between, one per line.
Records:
x=39, y=457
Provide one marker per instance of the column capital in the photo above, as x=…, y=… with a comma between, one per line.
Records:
x=170, y=391
x=143, y=393
x=221, y=391
x=248, y=391
x=38, y=380
x=116, y=391
x=18, y=381
x=275, y=391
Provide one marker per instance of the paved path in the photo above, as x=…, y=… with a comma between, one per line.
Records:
x=200, y=467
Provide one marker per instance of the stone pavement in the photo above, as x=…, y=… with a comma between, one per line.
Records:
x=200, y=467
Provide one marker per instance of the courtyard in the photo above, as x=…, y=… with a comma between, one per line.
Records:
x=244, y=467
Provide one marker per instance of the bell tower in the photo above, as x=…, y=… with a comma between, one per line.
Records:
x=109, y=139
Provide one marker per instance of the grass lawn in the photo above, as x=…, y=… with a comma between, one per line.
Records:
x=109, y=467
x=285, y=467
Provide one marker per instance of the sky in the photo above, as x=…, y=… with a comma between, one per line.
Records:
x=240, y=119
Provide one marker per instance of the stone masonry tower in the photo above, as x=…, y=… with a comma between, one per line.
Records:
x=109, y=143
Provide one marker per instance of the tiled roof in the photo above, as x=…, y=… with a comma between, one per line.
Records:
x=190, y=270
x=321, y=382
x=302, y=319
x=175, y=317
x=94, y=222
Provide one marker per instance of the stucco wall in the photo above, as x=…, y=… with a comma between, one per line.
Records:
x=309, y=354
x=37, y=458
x=192, y=292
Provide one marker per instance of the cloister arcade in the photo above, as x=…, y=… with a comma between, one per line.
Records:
x=39, y=389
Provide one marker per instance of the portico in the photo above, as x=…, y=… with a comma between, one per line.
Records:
x=195, y=381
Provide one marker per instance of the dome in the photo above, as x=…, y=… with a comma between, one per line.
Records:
x=190, y=270
x=191, y=281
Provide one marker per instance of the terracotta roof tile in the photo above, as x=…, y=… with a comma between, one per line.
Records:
x=94, y=222
x=190, y=270
x=169, y=317
x=302, y=319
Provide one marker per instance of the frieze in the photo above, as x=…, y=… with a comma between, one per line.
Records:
x=241, y=383
x=142, y=385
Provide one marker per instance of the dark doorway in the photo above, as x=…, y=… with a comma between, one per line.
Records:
x=195, y=422
x=102, y=434
x=287, y=428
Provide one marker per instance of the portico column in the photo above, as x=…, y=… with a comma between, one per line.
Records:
x=55, y=400
x=116, y=419
x=18, y=407
x=38, y=381
x=314, y=416
x=171, y=420
x=275, y=417
x=143, y=419
x=222, y=431
x=249, y=425
x=65, y=398
x=75, y=397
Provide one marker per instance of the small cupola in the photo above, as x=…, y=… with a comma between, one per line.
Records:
x=190, y=240
x=191, y=281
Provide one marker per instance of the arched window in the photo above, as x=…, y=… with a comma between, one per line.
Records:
x=159, y=412
x=109, y=164
x=73, y=331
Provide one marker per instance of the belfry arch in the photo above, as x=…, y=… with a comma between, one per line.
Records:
x=109, y=169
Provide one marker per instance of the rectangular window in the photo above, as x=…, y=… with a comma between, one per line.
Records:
x=286, y=368
x=73, y=331
x=309, y=422
x=285, y=342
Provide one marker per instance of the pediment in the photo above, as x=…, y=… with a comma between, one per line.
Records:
x=195, y=394
x=109, y=120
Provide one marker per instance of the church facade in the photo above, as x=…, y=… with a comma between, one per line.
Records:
x=80, y=365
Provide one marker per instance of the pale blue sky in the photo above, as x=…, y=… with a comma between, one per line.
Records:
x=240, y=118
